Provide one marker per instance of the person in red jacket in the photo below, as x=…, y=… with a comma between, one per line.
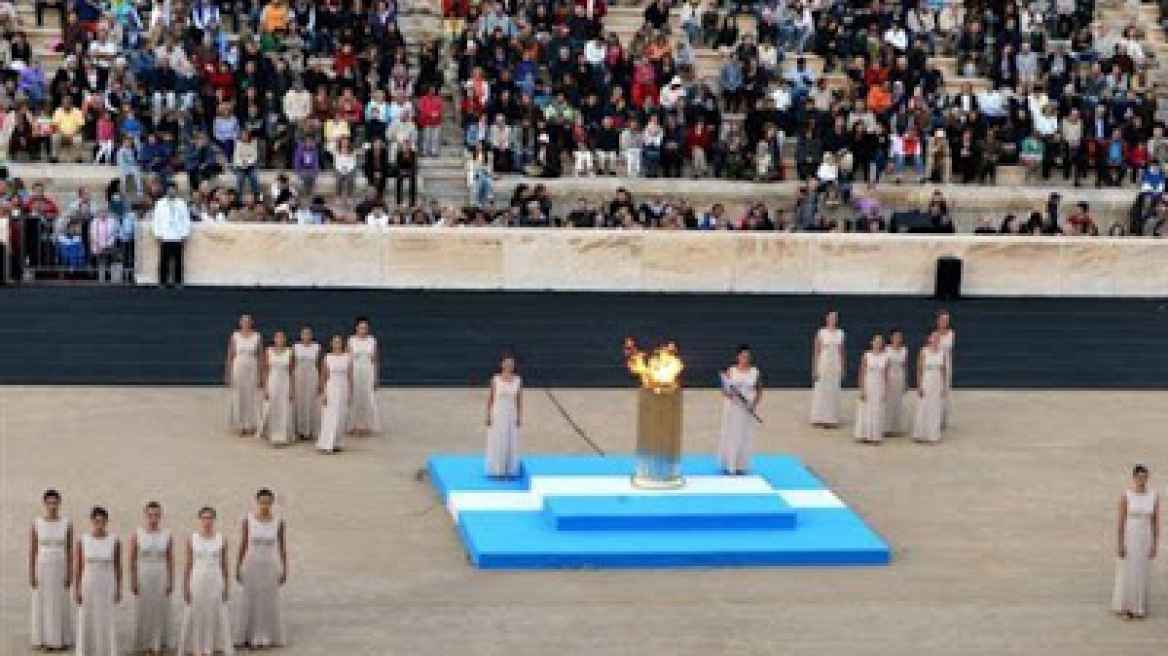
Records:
x=699, y=139
x=1137, y=159
x=430, y=112
x=345, y=60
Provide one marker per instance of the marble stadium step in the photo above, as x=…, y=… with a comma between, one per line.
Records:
x=67, y=178
x=968, y=203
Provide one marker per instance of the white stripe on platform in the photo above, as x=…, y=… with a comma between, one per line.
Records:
x=811, y=499
x=568, y=486
x=457, y=502
x=622, y=485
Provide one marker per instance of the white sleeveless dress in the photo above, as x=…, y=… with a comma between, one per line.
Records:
x=244, y=412
x=336, y=409
x=503, y=434
x=736, y=440
x=1133, y=574
x=259, y=623
x=277, y=422
x=946, y=343
x=870, y=411
x=152, y=630
x=930, y=404
x=895, y=416
x=206, y=627
x=305, y=404
x=826, y=392
x=52, y=612
x=96, y=629
x=363, y=404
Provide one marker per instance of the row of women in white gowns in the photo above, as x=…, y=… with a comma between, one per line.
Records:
x=292, y=390
x=881, y=408
x=826, y=395
x=52, y=610
x=289, y=406
x=206, y=622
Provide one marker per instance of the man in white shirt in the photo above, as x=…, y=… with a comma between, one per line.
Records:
x=172, y=226
x=992, y=103
x=896, y=37
x=297, y=103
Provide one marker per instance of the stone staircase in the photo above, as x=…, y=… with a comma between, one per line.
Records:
x=625, y=22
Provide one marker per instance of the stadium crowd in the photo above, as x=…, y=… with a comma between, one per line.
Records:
x=1065, y=97
x=836, y=94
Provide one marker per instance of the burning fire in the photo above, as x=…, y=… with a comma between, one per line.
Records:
x=660, y=370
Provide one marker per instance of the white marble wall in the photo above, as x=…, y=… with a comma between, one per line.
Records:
x=487, y=258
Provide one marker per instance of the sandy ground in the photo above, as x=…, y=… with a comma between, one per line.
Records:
x=1003, y=535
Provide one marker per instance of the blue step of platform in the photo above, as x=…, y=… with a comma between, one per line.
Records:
x=665, y=512
x=516, y=540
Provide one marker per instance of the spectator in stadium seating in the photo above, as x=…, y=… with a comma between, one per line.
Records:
x=430, y=114
x=345, y=168
x=126, y=159
x=1080, y=221
x=377, y=167
x=406, y=173
x=307, y=164
x=201, y=162
x=67, y=122
x=245, y=163
x=103, y=241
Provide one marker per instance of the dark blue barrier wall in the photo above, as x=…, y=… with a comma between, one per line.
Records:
x=112, y=335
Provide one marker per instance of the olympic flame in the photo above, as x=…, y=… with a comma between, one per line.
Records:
x=659, y=370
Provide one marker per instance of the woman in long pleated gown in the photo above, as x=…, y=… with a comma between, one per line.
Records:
x=504, y=417
x=1139, y=539
x=206, y=626
x=51, y=576
x=306, y=385
x=336, y=381
x=363, y=415
x=151, y=582
x=931, y=392
x=277, y=425
x=242, y=376
x=895, y=416
x=827, y=373
x=97, y=575
x=946, y=339
x=261, y=570
x=873, y=385
x=741, y=393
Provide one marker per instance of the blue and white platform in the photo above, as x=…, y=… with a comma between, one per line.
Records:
x=584, y=512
